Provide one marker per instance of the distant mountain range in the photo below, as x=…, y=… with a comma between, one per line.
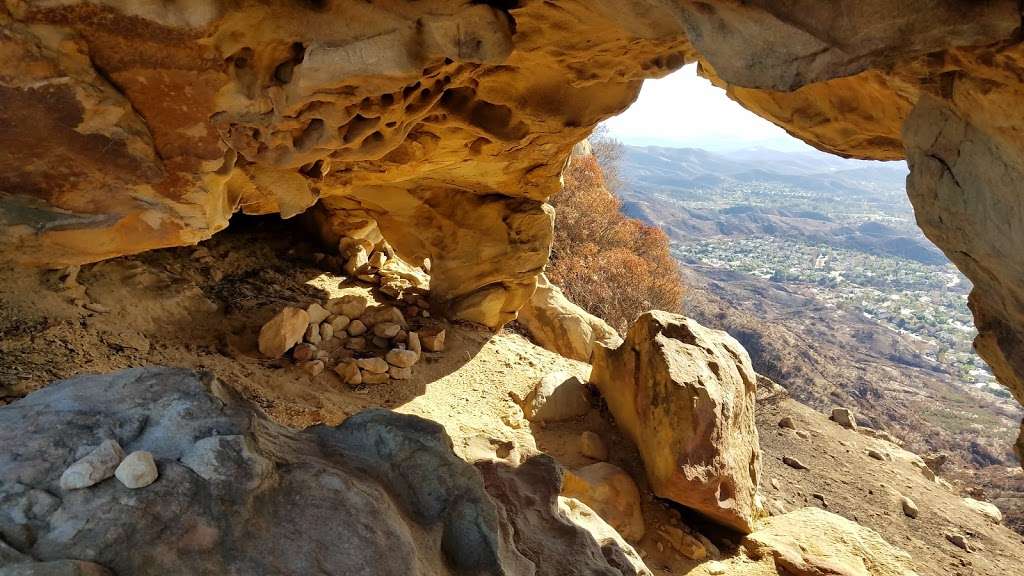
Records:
x=694, y=168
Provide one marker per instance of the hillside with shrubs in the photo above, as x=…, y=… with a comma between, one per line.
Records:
x=613, y=266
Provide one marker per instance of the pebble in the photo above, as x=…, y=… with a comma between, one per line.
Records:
x=374, y=365
x=803, y=434
x=96, y=466
x=356, y=328
x=592, y=446
x=794, y=463
x=357, y=344
x=137, y=470
x=401, y=358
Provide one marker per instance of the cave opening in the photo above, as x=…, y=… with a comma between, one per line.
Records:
x=816, y=264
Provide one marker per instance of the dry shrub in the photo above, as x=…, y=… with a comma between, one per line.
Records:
x=613, y=266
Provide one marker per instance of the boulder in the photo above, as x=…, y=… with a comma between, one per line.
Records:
x=844, y=417
x=556, y=396
x=559, y=325
x=684, y=394
x=237, y=492
x=986, y=509
x=814, y=542
x=610, y=492
x=283, y=331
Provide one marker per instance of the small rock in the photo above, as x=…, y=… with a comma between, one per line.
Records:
x=775, y=484
x=380, y=342
x=96, y=466
x=592, y=446
x=368, y=278
x=414, y=343
x=683, y=543
x=326, y=331
x=374, y=365
x=844, y=417
x=432, y=339
x=821, y=498
x=283, y=331
x=794, y=463
x=909, y=508
x=386, y=330
x=317, y=313
x=356, y=328
x=313, y=334
x=349, y=372
x=875, y=454
x=924, y=469
x=97, y=307
x=958, y=540
x=412, y=311
x=313, y=367
x=715, y=568
x=137, y=470
x=399, y=373
x=340, y=323
x=357, y=344
x=357, y=260
x=350, y=305
x=303, y=352
x=402, y=358
x=322, y=355
x=803, y=434
x=402, y=337
x=787, y=422
x=373, y=378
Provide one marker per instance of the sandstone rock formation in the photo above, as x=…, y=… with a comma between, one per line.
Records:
x=610, y=492
x=240, y=494
x=684, y=395
x=130, y=126
x=563, y=327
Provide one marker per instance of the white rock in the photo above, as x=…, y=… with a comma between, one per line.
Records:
x=317, y=313
x=401, y=358
x=137, y=470
x=96, y=466
x=985, y=508
x=909, y=508
x=356, y=261
x=844, y=417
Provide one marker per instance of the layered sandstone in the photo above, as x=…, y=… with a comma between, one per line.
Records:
x=129, y=126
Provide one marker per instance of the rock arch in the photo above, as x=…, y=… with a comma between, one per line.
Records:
x=127, y=127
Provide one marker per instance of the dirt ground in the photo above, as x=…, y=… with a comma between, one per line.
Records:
x=203, y=309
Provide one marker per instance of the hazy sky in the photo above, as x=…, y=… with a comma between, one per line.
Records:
x=685, y=110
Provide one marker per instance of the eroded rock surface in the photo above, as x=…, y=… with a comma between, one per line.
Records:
x=684, y=394
x=131, y=126
x=381, y=494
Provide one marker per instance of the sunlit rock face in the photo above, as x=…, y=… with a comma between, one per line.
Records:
x=129, y=126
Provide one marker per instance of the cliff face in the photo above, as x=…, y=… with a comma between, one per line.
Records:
x=128, y=127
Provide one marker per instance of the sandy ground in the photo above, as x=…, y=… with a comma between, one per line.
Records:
x=169, y=307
